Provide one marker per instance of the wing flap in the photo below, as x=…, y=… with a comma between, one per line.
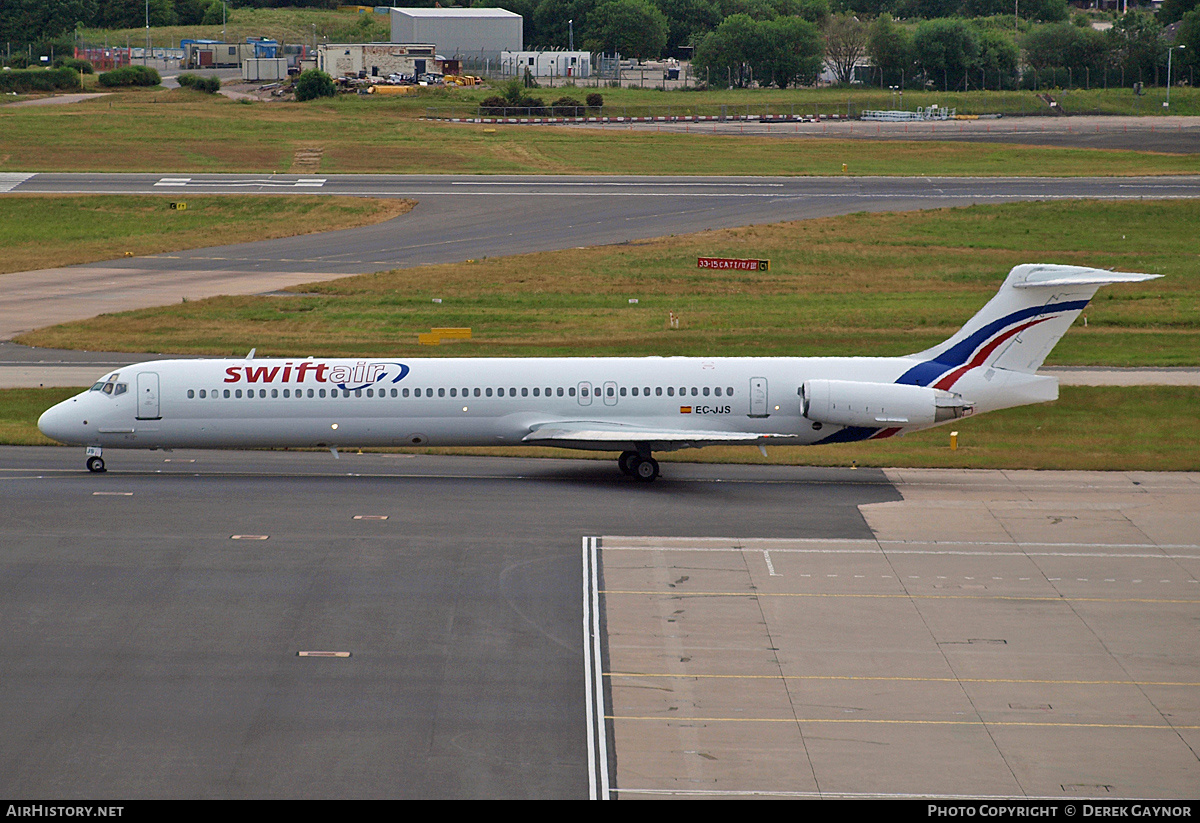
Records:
x=588, y=434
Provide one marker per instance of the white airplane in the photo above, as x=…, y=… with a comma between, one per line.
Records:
x=635, y=405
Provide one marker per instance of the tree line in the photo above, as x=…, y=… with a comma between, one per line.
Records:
x=948, y=44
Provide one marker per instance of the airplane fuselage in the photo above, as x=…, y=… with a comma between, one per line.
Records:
x=445, y=401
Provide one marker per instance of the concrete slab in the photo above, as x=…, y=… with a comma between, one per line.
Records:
x=1005, y=634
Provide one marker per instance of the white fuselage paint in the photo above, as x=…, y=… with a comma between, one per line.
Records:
x=593, y=389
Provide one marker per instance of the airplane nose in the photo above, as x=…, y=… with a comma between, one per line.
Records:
x=58, y=422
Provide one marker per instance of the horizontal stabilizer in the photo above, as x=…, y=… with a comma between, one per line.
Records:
x=1041, y=276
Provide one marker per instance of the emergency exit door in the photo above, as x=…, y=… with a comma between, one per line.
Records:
x=758, y=397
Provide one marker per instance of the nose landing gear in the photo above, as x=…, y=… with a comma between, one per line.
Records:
x=95, y=463
x=643, y=467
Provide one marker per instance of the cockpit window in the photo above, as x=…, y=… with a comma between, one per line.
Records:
x=110, y=386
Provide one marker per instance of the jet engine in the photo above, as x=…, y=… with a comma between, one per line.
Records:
x=851, y=403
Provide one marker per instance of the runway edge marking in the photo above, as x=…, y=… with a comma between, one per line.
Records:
x=598, y=766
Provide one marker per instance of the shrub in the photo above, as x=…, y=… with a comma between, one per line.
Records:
x=567, y=107
x=314, y=83
x=200, y=83
x=26, y=80
x=130, y=76
x=493, y=106
x=595, y=100
x=74, y=65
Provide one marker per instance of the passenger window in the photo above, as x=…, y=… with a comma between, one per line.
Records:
x=717, y=391
x=227, y=393
x=706, y=391
x=441, y=392
x=670, y=391
x=191, y=394
x=571, y=391
x=524, y=392
x=657, y=391
x=560, y=391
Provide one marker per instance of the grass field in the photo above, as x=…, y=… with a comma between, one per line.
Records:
x=194, y=132
x=1088, y=428
x=48, y=231
x=883, y=284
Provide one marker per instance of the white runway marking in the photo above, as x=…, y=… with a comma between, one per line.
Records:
x=9, y=180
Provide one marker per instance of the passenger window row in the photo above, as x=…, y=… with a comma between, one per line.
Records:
x=537, y=391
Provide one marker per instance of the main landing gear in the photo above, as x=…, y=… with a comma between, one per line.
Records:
x=95, y=463
x=643, y=467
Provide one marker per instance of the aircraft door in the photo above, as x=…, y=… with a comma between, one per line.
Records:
x=147, y=396
x=585, y=394
x=610, y=393
x=758, y=397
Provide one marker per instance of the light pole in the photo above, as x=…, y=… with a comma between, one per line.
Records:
x=571, y=34
x=145, y=53
x=1170, y=52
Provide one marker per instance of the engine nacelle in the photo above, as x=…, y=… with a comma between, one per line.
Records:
x=850, y=403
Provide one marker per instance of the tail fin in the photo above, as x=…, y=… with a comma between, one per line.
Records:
x=1019, y=326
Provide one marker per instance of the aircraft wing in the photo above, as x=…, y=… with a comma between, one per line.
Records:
x=587, y=434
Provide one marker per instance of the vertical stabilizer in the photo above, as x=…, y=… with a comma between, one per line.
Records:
x=1019, y=326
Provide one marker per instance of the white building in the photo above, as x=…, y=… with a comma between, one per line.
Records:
x=547, y=63
x=460, y=33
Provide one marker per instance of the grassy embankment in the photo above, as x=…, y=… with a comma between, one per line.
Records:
x=47, y=231
x=864, y=283
x=860, y=284
x=195, y=132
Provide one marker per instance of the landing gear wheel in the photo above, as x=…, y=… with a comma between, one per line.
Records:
x=645, y=469
x=625, y=462
x=95, y=464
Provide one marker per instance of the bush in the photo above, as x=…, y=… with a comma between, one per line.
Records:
x=27, y=80
x=200, y=83
x=493, y=106
x=314, y=83
x=567, y=107
x=130, y=76
x=595, y=100
x=74, y=65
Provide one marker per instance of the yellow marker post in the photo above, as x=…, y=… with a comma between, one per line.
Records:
x=953, y=441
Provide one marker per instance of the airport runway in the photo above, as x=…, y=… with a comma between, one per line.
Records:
x=760, y=631
x=1173, y=135
x=467, y=217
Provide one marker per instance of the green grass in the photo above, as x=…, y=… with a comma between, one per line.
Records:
x=195, y=132
x=1087, y=428
x=48, y=231
x=882, y=284
x=20, y=410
